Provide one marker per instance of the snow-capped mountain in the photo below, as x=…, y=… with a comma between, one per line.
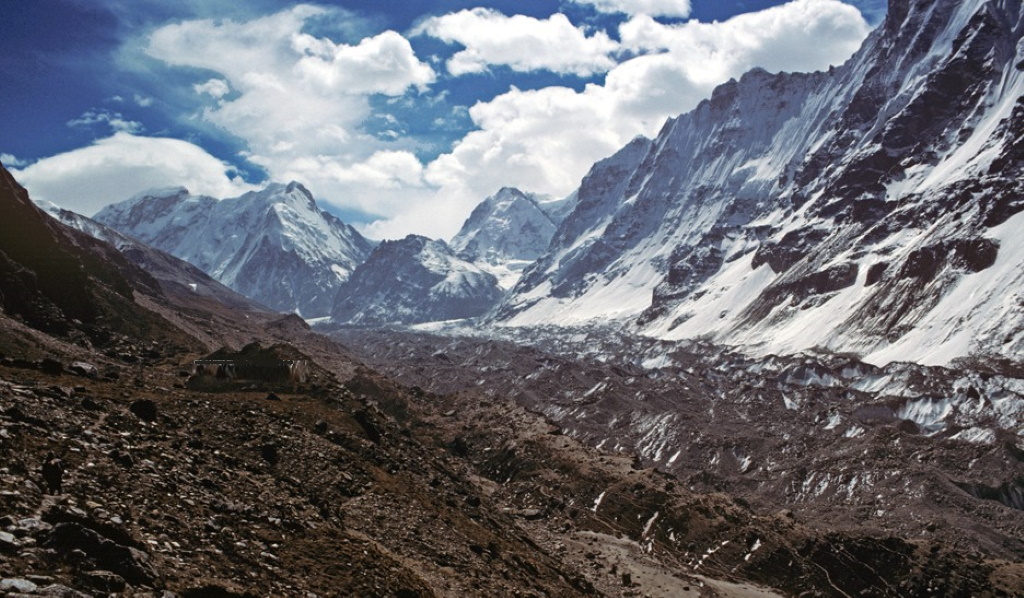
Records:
x=414, y=280
x=174, y=275
x=874, y=208
x=506, y=232
x=275, y=246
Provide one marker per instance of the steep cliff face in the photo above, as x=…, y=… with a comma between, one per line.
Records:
x=275, y=246
x=870, y=208
x=414, y=280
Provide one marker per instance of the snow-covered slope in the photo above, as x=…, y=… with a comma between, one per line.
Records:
x=872, y=208
x=414, y=280
x=274, y=246
x=506, y=232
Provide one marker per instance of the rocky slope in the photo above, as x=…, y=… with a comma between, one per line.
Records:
x=853, y=452
x=64, y=282
x=414, y=280
x=275, y=246
x=174, y=275
x=505, y=233
x=870, y=208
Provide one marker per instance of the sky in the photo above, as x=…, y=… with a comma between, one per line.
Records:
x=399, y=117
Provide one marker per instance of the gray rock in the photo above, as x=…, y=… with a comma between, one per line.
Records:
x=60, y=591
x=17, y=584
x=105, y=581
x=8, y=542
x=130, y=563
x=83, y=368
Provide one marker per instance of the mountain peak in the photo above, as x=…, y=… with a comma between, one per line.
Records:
x=413, y=280
x=505, y=232
x=273, y=245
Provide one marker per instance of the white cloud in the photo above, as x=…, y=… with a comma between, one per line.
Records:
x=113, y=169
x=382, y=64
x=546, y=140
x=776, y=39
x=657, y=8
x=11, y=161
x=115, y=120
x=215, y=88
x=299, y=101
x=520, y=42
x=143, y=101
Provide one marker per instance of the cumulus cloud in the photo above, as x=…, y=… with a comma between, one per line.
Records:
x=522, y=43
x=545, y=140
x=113, y=169
x=657, y=8
x=215, y=88
x=300, y=102
x=382, y=64
x=115, y=120
x=776, y=39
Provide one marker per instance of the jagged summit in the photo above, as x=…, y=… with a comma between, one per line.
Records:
x=274, y=245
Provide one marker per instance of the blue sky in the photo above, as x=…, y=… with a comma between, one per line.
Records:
x=399, y=116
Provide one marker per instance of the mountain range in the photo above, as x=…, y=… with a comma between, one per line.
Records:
x=707, y=372
x=275, y=246
x=873, y=208
x=868, y=209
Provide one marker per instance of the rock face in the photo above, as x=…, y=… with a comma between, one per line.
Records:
x=274, y=246
x=507, y=232
x=414, y=280
x=867, y=209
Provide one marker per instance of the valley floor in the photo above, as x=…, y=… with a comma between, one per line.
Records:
x=461, y=470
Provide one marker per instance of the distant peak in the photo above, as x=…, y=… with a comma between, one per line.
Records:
x=508, y=191
x=295, y=185
x=160, y=192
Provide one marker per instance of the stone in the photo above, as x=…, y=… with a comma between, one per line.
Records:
x=104, y=581
x=60, y=591
x=83, y=368
x=17, y=584
x=144, y=409
x=130, y=563
x=8, y=543
x=90, y=404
